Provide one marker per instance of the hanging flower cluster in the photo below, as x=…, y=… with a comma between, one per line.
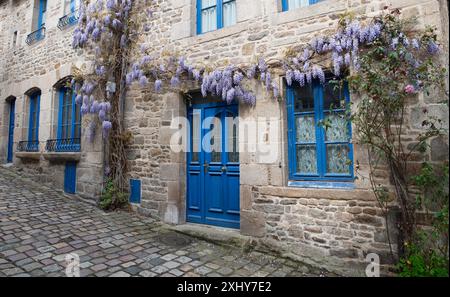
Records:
x=96, y=21
x=344, y=47
x=227, y=83
x=100, y=24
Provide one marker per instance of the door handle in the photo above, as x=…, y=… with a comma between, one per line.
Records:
x=224, y=168
x=206, y=166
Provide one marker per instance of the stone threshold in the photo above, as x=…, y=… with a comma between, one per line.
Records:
x=233, y=238
x=217, y=235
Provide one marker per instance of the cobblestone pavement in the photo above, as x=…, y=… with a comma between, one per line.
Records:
x=40, y=225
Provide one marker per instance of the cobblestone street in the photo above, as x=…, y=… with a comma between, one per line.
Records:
x=39, y=226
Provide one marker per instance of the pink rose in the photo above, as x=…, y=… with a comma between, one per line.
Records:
x=409, y=89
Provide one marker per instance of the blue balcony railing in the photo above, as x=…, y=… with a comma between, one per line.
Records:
x=68, y=20
x=63, y=145
x=35, y=36
x=28, y=146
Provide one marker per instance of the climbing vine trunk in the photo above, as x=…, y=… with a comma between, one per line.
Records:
x=115, y=149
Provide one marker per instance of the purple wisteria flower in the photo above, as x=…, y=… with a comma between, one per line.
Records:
x=432, y=47
x=158, y=85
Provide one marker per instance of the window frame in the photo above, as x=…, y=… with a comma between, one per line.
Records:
x=320, y=142
x=285, y=4
x=219, y=14
x=73, y=124
x=33, y=122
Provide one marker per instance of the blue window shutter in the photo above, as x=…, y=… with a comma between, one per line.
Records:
x=42, y=10
x=72, y=5
x=38, y=107
x=219, y=9
x=31, y=118
x=33, y=123
x=135, y=191
x=199, y=17
x=60, y=112
x=284, y=5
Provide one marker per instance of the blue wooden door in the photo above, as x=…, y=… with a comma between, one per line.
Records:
x=12, y=105
x=213, y=166
x=70, y=177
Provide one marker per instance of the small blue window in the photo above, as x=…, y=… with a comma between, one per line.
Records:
x=215, y=14
x=293, y=4
x=69, y=121
x=42, y=13
x=135, y=191
x=33, y=123
x=319, y=133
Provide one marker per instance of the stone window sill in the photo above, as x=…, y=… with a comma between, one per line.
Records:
x=318, y=193
x=216, y=34
x=322, y=185
x=62, y=156
x=315, y=10
x=28, y=155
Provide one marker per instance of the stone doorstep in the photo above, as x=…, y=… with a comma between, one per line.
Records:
x=217, y=235
x=232, y=237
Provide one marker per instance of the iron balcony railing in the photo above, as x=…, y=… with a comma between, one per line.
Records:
x=68, y=20
x=63, y=145
x=35, y=36
x=28, y=146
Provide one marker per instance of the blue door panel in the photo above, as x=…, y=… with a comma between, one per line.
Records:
x=135, y=191
x=214, y=199
x=233, y=191
x=194, y=202
x=213, y=181
x=70, y=177
x=9, y=157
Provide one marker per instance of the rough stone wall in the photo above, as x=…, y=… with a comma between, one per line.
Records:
x=41, y=65
x=335, y=228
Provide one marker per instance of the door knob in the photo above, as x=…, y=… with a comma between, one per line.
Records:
x=224, y=168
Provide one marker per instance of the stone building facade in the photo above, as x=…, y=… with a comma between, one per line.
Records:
x=333, y=225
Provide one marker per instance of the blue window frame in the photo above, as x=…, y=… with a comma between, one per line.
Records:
x=69, y=121
x=33, y=123
x=319, y=134
x=293, y=4
x=42, y=13
x=215, y=14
